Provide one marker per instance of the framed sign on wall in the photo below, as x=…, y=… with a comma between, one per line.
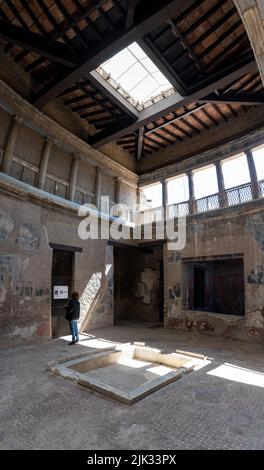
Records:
x=60, y=292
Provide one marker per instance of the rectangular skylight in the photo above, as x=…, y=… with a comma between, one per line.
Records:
x=133, y=70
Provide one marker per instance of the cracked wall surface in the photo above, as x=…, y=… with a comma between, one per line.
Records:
x=26, y=230
x=219, y=236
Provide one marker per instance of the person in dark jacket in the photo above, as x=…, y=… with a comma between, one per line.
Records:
x=73, y=314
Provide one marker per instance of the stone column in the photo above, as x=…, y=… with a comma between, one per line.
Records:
x=192, y=205
x=164, y=193
x=73, y=178
x=45, y=154
x=164, y=196
x=97, y=187
x=10, y=144
x=253, y=175
x=138, y=196
x=117, y=196
x=221, y=185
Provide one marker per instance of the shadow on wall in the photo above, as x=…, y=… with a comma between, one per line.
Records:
x=97, y=300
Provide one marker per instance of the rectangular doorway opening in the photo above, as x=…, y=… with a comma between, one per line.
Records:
x=215, y=286
x=199, y=287
x=138, y=284
x=62, y=270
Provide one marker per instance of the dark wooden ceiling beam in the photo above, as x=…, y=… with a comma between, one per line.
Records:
x=67, y=16
x=163, y=137
x=36, y=43
x=181, y=129
x=244, y=99
x=195, y=25
x=222, y=56
x=170, y=133
x=176, y=101
x=93, y=113
x=125, y=142
x=140, y=143
x=151, y=145
x=151, y=15
x=162, y=64
x=131, y=4
x=154, y=141
x=209, y=116
x=108, y=90
x=177, y=33
x=209, y=32
x=220, y=112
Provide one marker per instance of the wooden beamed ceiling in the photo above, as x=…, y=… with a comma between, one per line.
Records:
x=201, y=46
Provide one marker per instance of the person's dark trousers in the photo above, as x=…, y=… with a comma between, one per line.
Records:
x=74, y=330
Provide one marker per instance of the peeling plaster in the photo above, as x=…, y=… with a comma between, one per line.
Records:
x=145, y=288
x=256, y=275
x=255, y=227
x=27, y=237
x=6, y=225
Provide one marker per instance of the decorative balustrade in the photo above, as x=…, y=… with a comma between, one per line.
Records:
x=149, y=216
x=178, y=210
x=207, y=203
x=239, y=194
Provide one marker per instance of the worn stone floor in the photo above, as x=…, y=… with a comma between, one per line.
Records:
x=220, y=406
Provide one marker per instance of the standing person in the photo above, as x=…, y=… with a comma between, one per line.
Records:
x=73, y=314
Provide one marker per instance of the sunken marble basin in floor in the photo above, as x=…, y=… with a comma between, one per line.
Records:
x=125, y=375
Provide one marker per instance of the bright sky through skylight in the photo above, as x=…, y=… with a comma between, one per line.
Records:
x=136, y=73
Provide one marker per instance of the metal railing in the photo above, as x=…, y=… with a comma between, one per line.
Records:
x=207, y=203
x=177, y=210
x=148, y=216
x=239, y=194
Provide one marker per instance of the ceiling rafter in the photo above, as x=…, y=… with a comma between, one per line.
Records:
x=176, y=101
x=36, y=43
x=147, y=20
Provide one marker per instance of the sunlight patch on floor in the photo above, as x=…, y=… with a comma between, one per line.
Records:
x=238, y=374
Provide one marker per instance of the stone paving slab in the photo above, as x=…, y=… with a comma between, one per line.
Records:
x=39, y=410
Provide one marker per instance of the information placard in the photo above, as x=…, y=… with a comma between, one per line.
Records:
x=60, y=292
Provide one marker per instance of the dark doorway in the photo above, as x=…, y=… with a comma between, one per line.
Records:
x=62, y=267
x=199, y=287
x=161, y=291
x=216, y=286
x=138, y=284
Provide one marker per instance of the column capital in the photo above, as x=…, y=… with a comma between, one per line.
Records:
x=118, y=178
x=48, y=140
x=17, y=119
x=217, y=163
x=75, y=156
